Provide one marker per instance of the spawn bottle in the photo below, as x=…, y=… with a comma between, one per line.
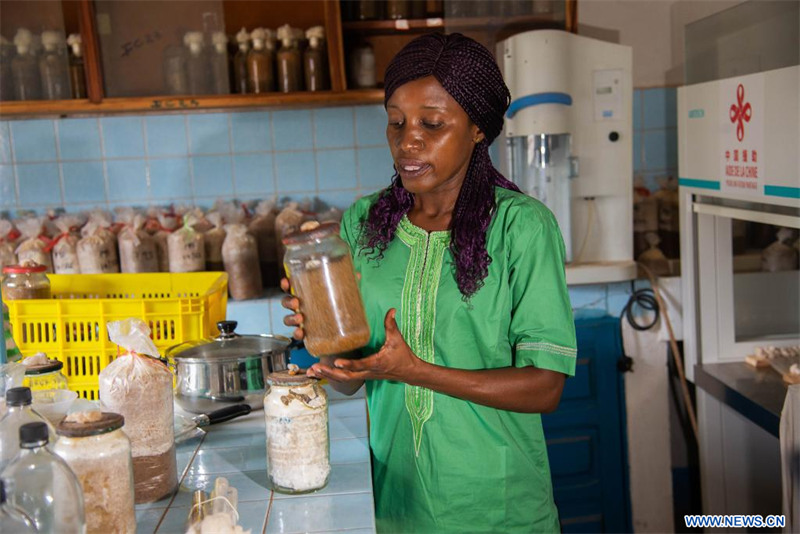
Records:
x=290, y=65
x=315, y=65
x=54, y=67
x=240, y=62
x=218, y=60
x=260, y=76
x=25, y=68
x=197, y=71
x=77, y=73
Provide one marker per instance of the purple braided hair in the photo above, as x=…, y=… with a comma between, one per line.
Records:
x=468, y=72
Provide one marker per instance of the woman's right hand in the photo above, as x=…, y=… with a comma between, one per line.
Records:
x=292, y=303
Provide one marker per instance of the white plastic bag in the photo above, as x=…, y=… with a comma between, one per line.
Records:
x=7, y=255
x=240, y=255
x=780, y=255
x=262, y=227
x=139, y=388
x=186, y=249
x=65, y=246
x=34, y=245
x=213, y=240
x=137, y=248
x=97, y=250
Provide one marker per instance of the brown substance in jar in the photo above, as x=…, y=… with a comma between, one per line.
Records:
x=155, y=477
x=334, y=318
x=25, y=293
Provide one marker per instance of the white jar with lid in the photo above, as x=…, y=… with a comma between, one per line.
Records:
x=298, y=448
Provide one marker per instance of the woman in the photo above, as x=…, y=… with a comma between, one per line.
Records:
x=463, y=282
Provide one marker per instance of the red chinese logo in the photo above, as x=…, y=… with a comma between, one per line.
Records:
x=741, y=112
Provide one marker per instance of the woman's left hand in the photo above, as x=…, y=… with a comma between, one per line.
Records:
x=395, y=360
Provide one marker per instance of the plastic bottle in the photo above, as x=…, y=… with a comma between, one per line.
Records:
x=218, y=60
x=197, y=71
x=77, y=73
x=290, y=69
x=315, y=65
x=19, y=412
x=240, y=62
x=54, y=68
x=12, y=519
x=25, y=68
x=43, y=486
x=260, y=74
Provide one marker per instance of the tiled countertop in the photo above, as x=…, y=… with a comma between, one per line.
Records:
x=237, y=450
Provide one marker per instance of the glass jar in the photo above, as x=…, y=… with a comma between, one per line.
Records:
x=398, y=9
x=319, y=265
x=298, y=448
x=27, y=281
x=362, y=67
x=45, y=377
x=260, y=73
x=43, y=486
x=99, y=453
x=289, y=62
x=315, y=67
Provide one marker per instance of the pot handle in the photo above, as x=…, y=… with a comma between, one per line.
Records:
x=226, y=414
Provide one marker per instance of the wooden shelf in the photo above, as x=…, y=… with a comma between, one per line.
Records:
x=161, y=104
x=486, y=24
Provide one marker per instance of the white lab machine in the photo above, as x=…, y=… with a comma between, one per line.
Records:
x=569, y=139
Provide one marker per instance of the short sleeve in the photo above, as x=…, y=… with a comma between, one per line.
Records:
x=542, y=331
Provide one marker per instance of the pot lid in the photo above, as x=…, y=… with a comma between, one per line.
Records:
x=228, y=346
x=84, y=424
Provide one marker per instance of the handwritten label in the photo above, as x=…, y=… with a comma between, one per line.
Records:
x=130, y=46
x=178, y=103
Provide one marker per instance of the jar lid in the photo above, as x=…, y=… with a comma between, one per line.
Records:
x=50, y=367
x=101, y=423
x=315, y=234
x=285, y=378
x=24, y=269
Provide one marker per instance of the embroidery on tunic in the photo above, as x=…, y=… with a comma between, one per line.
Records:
x=418, y=311
x=552, y=348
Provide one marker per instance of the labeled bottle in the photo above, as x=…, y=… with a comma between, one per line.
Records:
x=289, y=60
x=218, y=60
x=99, y=453
x=25, y=68
x=362, y=67
x=54, y=68
x=298, y=447
x=197, y=71
x=315, y=64
x=6, y=77
x=240, y=62
x=43, y=486
x=260, y=74
x=12, y=519
x=321, y=270
x=77, y=72
x=19, y=412
x=174, y=64
x=398, y=9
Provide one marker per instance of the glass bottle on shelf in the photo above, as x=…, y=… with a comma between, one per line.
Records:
x=197, y=71
x=174, y=63
x=362, y=66
x=315, y=65
x=13, y=519
x=42, y=484
x=398, y=9
x=434, y=8
x=77, y=73
x=6, y=77
x=418, y=9
x=240, y=62
x=218, y=60
x=367, y=9
x=290, y=65
x=25, y=68
x=260, y=73
x=54, y=67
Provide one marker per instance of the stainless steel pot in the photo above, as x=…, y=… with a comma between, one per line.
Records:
x=229, y=369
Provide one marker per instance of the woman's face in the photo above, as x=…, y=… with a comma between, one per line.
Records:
x=431, y=138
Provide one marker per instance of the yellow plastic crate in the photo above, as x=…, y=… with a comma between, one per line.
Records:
x=71, y=327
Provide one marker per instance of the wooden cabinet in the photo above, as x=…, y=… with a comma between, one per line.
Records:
x=124, y=43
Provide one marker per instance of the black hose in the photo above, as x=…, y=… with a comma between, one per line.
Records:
x=646, y=300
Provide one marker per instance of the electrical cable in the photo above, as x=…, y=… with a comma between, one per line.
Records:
x=646, y=300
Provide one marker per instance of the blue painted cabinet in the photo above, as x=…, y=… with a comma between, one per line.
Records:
x=586, y=440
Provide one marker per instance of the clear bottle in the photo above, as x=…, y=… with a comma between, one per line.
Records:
x=77, y=72
x=12, y=519
x=321, y=270
x=45, y=377
x=290, y=64
x=25, y=68
x=260, y=73
x=6, y=77
x=26, y=281
x=398, y=9
x=197, y=69
x=54, y=68
x=240, y=62
x=43, y=486
x=174, y=64
x=18, y=413
x=99, y=453
x=298, y=447
x=315, y=64
x=218, y=60
x=362, y=67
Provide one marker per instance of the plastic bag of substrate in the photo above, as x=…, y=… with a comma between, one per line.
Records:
x=33, y=247
x=262, y=227
x=137, y=248
x=186, y=249
x=65, y=245
x=240, y=255
x=7, y=255
x=213, y=240
x=138, y=386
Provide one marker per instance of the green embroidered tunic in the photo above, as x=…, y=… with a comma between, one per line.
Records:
x=442, y=464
